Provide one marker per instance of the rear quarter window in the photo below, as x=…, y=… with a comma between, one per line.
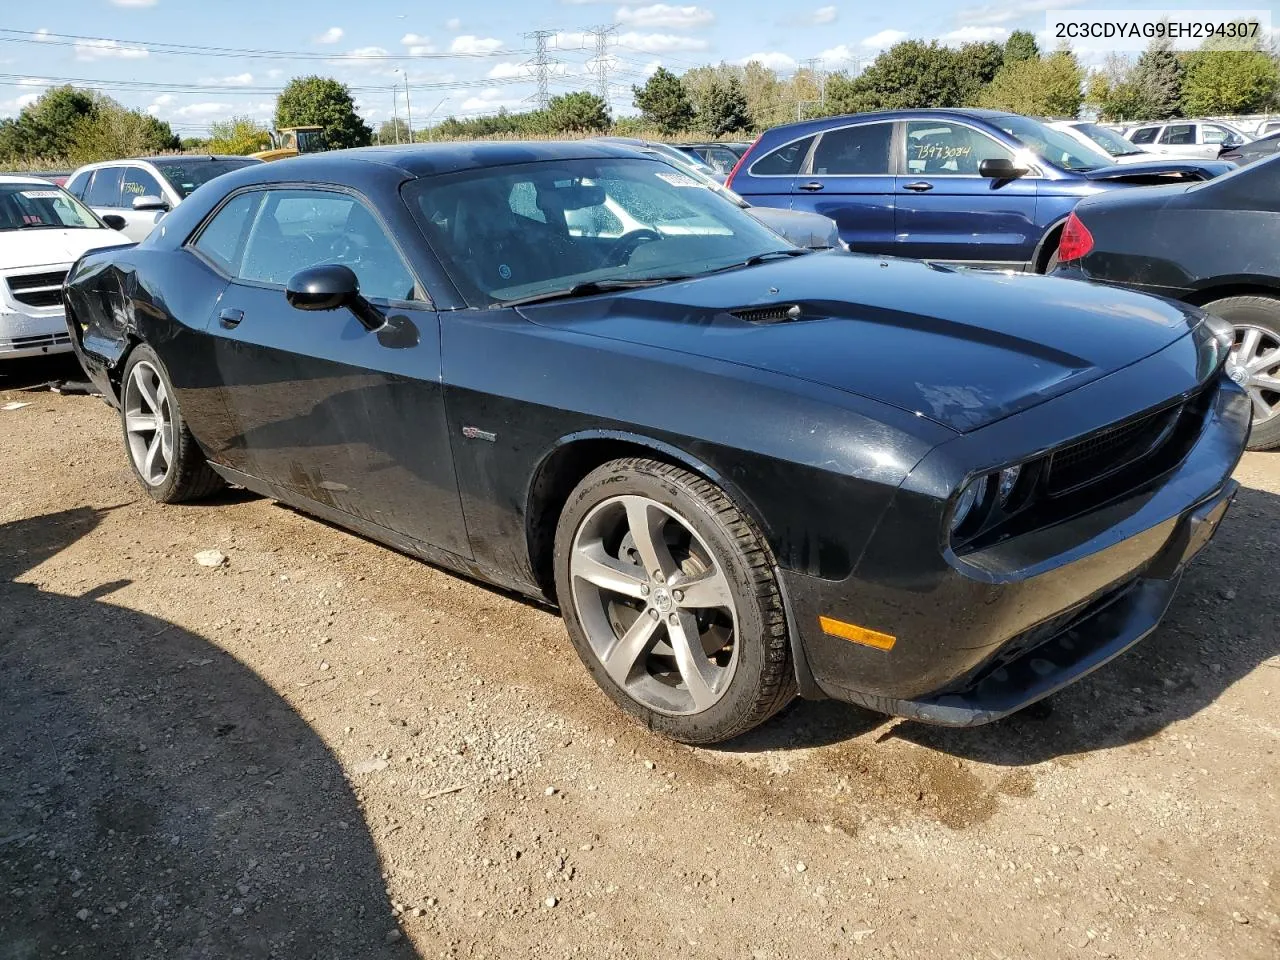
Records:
x=785, y=161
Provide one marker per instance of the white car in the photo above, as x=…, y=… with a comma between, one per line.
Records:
x=1103, y=140
x=143, y=190
x=43, y=230
x=1189, y=139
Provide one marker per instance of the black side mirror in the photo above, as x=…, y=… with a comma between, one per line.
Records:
x=1000, y=168
x=331, y=286
x=114, y=221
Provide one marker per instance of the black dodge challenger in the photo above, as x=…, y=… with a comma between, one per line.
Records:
x=740, y=469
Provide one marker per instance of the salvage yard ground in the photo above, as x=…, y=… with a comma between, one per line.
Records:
x=320, y=748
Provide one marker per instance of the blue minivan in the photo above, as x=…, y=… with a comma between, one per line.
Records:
x=975, y=187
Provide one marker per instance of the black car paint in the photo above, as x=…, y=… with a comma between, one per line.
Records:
x=1193, y=243
x=460, y=448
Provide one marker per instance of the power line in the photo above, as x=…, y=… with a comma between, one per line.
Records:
x=117, y=44
x=541, y=64
x=149, y=86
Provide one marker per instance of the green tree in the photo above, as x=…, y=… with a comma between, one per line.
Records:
x=238, y=135
x=725, y=110
x=763, y=93
x=909, y=74
x=976, y=65
x=326, y=102
x=112, y=131
x=1021, y=45
x=45, y=128
x=1229, y=81
x=393, y=131
x=1155, y=83
x=663, y=102
x=580, y=112
x=1047, y=87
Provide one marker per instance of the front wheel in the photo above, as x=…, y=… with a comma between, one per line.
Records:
x=1254, y=362
x=669, y=597
x=164, y=456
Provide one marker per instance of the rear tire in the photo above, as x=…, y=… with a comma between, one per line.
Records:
x=164, y=456
x=697, y=649
x=1257, y=324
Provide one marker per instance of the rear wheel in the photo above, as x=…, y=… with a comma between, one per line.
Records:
x=1254, y=362
x=164, y=456
x=669, y=596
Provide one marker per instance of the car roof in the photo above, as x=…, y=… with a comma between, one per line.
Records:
x=941, y=113
x=426, y=159
x=162, y=158
x=26, y=178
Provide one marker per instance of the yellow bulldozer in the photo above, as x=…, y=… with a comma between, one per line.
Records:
x=291, y=141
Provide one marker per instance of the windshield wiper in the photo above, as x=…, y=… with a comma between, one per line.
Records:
x=773, y=254
x=588, y=288
x=42, y=226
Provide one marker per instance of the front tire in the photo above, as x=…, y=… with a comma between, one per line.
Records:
x=165, y=457
x=670, y=599
x=1255, y=360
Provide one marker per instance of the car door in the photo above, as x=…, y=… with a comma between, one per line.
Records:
x=767, y=181
x=946, y=210
x=1179, y=140
x=326, y=410
x=139, y=185
x=849, y=178
x=1216, y=137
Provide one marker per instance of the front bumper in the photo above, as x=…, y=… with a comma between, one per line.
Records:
x=36, y=334
x=981, y=637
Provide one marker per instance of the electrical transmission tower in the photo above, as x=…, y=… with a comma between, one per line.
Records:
x=541, y=64
x=819, y=76
x=600, y=63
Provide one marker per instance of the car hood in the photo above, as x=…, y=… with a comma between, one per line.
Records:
x=801, y=227
x=46, y=246
x=1191, y=169
x=963, y=348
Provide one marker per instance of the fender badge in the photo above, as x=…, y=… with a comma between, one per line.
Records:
x=475, y=433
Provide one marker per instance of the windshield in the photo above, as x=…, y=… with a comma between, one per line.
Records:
x=512, y=232
x=1108, y=140
x=1060, y=149
x=26, y=206
x=185, y=175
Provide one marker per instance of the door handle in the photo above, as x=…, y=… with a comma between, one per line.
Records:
x=918, y=186
x=230, y=318
x=811, y=186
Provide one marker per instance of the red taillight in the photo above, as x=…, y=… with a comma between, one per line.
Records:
x=728, y=181
x=1076, y=240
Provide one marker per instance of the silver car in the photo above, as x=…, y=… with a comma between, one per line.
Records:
x=1190, y=139
x=144, y=189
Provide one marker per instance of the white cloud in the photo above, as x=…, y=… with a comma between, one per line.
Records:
x=133, y=3
x=415, y=40
x=236, y=80
x=835, y=56
x=362, y=53
x=815, y=18
x=453, y=23
x=489, y=100
x=663, y=15
x=470, y=44
x=774, y=61
x=332, y=35
x=885, y=38
x=32, y=82
x=275, y=73
x=160, y=103
x=996, y=13
x=108, y=49
x=659, y=42
x=506, y=71
x=210, y=109
x=43, y=35
x=975, y=35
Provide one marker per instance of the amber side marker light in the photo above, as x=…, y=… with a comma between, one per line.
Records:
x=848, y=631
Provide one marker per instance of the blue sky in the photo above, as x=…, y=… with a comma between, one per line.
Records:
x=461, y=59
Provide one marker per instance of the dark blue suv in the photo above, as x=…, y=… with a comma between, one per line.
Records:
x=965, y=186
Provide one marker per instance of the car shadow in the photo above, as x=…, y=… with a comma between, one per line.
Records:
x=158, y=798
x=1220, y=627
x=35, y=371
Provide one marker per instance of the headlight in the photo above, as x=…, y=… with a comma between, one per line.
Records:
x=972, y=495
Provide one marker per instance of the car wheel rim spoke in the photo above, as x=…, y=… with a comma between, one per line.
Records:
x=148, y=424
x=1261, y=409
x=671, y=641
x=1256, y=361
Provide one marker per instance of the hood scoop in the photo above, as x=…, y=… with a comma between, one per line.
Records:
x=774, y=313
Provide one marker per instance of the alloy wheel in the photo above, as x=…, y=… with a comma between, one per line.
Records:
x=148, y=423
x=655, y=604
x=1254, y=364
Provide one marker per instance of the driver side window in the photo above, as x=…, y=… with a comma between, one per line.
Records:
x=297, y=229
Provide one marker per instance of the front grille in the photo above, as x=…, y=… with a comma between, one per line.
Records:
x=27, y=343
x=38, y=289
x=1109, y=451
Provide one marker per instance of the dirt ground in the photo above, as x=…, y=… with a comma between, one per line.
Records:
x=325, y=749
